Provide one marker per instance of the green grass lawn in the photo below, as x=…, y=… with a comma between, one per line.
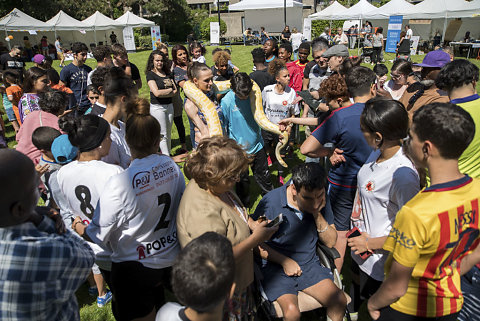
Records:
x=241, y=57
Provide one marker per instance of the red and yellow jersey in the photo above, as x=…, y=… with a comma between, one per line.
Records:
x=431, y=234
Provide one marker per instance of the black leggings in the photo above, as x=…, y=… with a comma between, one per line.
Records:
x=376, y=54
x=180, y=128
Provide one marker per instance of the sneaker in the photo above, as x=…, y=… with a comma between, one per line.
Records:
x=269, y=161
x=103, y=300
x=92, y=291
x=280, y=179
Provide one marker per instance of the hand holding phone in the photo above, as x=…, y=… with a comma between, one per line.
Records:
x=355, y=232
x=277, y=221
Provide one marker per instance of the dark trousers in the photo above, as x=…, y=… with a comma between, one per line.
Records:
x=180, y=128
x=376, y=54
x=260, y=173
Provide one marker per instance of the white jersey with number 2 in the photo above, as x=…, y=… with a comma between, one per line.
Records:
x=136, y=219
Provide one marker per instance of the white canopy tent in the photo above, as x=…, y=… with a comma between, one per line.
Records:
x=328, y=12
x=356, y=11
x=62, y=21
x=269, y=14
x=99, y=21
x=391, y=8
x=128, y=19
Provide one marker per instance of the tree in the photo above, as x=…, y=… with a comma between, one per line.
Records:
x=172, y=16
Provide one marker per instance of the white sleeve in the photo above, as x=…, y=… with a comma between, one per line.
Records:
x=264, y=99
x=109, y=213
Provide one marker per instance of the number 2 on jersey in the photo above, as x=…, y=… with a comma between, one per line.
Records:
x=85, y=197
x=167, y=200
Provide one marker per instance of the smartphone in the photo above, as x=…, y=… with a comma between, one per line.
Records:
x=277, y=221
x=354, y=232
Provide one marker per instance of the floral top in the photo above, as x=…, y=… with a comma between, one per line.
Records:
x=27, y=104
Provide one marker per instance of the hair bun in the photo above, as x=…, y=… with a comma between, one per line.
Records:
x=138, y=107
x=68, y=124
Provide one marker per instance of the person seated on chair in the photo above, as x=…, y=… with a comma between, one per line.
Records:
x=290, y=263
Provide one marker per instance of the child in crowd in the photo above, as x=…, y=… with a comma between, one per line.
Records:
x=97, y=93
x=278, y=103
x=197, y=51
x=221, y=70
x=260, y=75
x=242, y=127
x=382, y=73
x=92, y=95
x=202, y=279
x=230, y=63
x=35, y=83
x=54, y=83
x=271, y=50
x=11, y=93
x=42, y=139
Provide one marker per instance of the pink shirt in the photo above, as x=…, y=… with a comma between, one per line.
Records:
x=34, y=120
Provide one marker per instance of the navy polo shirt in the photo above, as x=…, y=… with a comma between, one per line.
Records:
x=342, y=128
x=297, y=235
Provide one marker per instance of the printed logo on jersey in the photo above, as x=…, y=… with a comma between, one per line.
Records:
x=284, y=103
x=141, y=180
x=370, y=186
x=401, y=238
x=152, y=247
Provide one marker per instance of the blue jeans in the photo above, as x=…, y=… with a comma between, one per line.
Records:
x=471, y=295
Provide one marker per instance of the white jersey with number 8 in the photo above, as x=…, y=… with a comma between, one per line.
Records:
x=82, y=183
x=136, y=218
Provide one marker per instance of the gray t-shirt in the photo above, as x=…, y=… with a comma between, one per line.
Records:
x=378, y=40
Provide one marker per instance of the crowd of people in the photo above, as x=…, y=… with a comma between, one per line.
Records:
x=391, y=174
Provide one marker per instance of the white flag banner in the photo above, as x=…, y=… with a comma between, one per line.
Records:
x=214, y=33
x=307, y=29
x=128, y=39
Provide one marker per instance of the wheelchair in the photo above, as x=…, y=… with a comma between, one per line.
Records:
x=367, y=53
x=268, y=310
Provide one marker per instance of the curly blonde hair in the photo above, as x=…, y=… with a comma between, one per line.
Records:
x=221, y=58
x=217, y=160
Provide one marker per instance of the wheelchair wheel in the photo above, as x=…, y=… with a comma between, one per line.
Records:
x=329, y=264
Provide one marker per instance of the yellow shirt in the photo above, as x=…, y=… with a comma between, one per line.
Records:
x=431, y=234
x=469, y=161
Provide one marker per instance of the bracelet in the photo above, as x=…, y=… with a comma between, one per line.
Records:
x=323, y=230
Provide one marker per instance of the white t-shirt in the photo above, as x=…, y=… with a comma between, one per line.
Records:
x=382, y=189
x=171, y=311
x=296, y=39
x=136, y=219
x=119, y=153
x=200, y=59
x=89, y=77
x=82, y=183
x=409, y=34
x=395, y=95
x=279, y=106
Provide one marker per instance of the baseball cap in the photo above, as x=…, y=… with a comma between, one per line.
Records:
x=435, y=59
x=38, y=59
x=337, y=50
x=63, y=151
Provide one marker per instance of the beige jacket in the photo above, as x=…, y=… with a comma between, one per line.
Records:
x=201, y=212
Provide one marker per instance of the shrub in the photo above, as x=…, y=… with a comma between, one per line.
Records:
x=319, y=25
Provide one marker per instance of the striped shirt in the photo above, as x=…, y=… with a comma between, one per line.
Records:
x=431, y=234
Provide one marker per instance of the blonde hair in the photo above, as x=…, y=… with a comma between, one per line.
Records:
x=160, y=45
x=294, y=30
x=221, y=58
x=216, y=160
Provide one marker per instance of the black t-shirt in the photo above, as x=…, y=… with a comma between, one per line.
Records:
x=308, y=67
x=262, y=78
x=218, y=77
x=135, y=71
x=162, y=83
x=286, y=34
x=98, y=110
x=12, y=63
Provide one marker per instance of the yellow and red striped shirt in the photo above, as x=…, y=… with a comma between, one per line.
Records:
x=431, y=234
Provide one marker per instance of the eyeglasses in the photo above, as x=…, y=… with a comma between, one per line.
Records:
x=395, y=76
x=93, y=98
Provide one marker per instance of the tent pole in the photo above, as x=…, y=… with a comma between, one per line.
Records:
x=6, y=35
x=95, y=35
x=358, y=36
x=284, y=13
x=444, y=29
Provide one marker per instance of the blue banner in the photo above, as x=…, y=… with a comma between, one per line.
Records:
x=393, y=35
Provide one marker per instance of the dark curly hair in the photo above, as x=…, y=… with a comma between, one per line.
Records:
x=53, y=101
x=456, y=74
x=154, y=53
x=334, y=87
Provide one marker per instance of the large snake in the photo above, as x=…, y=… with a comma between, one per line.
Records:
x=207, y=107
